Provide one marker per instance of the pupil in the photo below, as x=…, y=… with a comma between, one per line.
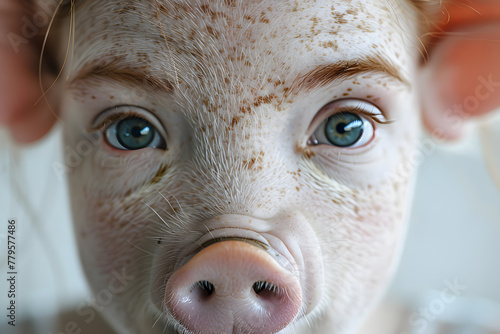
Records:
x=341, y=128
x=136, y=131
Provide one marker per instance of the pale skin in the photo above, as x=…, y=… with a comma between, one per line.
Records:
x=239, y=147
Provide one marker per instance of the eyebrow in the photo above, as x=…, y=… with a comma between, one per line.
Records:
x=320, y=76
x=324, y=75
x=114, y=70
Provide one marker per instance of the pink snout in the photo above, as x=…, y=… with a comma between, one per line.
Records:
x=233, y=287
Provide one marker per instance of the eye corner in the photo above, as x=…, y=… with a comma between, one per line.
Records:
x=305, y=150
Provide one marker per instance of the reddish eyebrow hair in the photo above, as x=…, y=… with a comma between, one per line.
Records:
x=320, y=76
x=323, y=75
x=138, y=76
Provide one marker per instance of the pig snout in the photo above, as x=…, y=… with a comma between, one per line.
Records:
x=233, y=287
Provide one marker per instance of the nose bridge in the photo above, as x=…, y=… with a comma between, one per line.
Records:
x=241, y=169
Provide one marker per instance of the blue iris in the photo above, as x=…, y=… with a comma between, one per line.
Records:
x=135, y=133
x=344, y=129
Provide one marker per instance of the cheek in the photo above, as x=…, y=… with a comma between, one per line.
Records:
x=380, y=213
x=115, y=229
x=367, y=226
x=111, y=229
x=372, y=234
x=360, y=246
x=357, y=222
x=375, y=220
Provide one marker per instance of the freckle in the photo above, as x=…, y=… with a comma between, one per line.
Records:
x=345, y=94
x=349, y=89
x=111, y=97
x=93, y=97
x=369, y=96
x=298, y=189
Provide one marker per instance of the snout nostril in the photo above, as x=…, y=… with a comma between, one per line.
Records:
x=206, y=287
x=233, y=287
x=263, y=288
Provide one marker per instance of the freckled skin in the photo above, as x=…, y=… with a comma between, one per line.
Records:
x=237, y=144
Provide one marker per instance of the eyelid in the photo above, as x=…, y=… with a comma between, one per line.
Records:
x=363, y=112
x=117, y=113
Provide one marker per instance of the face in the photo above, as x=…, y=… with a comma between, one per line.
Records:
x=248, y=163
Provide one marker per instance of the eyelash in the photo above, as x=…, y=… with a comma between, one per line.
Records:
x=108, y=120
x=361, y=111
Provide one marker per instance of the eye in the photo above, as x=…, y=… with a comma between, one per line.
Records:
x=133, y=133
x=130, y=128
x=344, y=129
x=346, y=124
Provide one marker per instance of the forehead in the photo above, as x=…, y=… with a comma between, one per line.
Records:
x=243, y=34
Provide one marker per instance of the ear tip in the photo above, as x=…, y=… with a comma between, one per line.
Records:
x=461, y=81
x=32, y=127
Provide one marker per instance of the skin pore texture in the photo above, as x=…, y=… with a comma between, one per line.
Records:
x=237, y=89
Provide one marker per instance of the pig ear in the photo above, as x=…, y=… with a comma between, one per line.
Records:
x=461, y=77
